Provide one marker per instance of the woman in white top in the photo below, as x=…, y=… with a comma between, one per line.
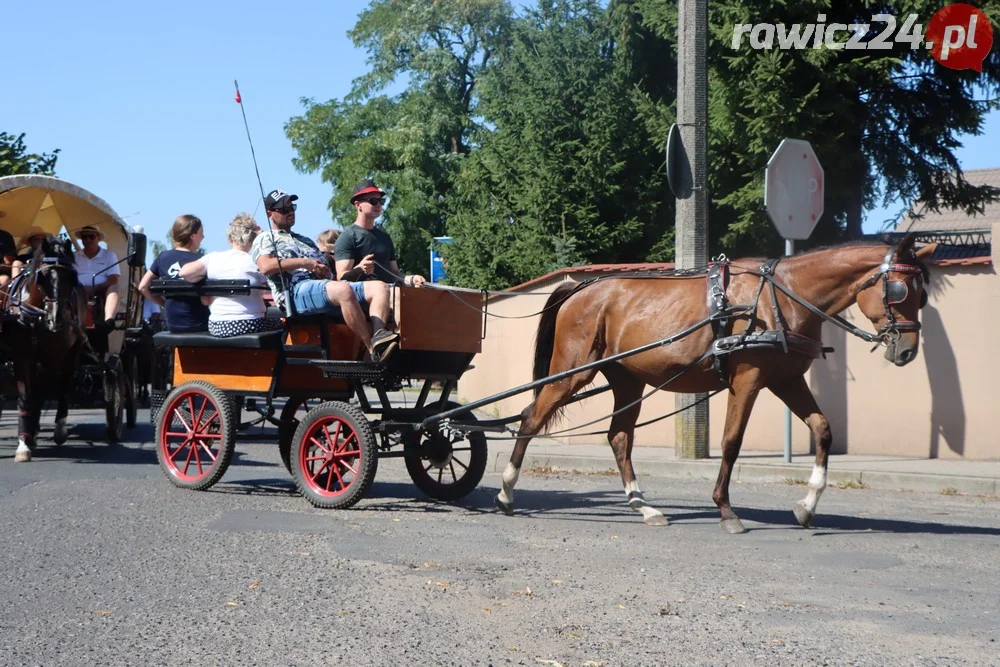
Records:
x=234, y=315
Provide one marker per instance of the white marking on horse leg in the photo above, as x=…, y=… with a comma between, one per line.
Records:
x=637, y=502
x=510, y=475
x=817, y=484
x=23, y=453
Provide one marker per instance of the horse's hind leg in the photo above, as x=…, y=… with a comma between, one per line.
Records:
x=621, y=436
x=745, y=384
x=533, y=419
x=796, y=395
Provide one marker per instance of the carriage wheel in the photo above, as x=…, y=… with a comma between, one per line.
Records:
x=334, y=457
x=195, y=435
x=296, y=407
x=114, y=403
x=443, y=469
x=131, y=389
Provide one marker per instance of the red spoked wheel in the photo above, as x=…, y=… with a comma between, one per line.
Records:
x=334, y=457
x=195, y=435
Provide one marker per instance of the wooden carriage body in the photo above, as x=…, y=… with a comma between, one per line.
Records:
x=440, y=332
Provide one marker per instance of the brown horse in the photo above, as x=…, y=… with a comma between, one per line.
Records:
x=586, y=322
x=46, y=339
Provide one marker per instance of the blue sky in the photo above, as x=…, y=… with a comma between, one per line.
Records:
x=139, y=97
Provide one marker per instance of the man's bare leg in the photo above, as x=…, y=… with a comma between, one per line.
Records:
x=341, y=294
x=111, y=300
x=377, y=296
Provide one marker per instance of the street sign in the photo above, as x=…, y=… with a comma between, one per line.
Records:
x=438, y=268
x=793, y=189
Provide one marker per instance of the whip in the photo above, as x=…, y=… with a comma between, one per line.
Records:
x=270, y=229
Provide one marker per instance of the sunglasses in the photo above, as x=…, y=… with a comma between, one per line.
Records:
x=88, y=236
x=287, y=209
x=375, y=201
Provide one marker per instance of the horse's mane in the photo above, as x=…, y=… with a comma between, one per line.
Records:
x=881, y=241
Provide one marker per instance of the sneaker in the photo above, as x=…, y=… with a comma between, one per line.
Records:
x=384, y=343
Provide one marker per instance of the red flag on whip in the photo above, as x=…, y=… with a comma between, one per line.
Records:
x=239, y=100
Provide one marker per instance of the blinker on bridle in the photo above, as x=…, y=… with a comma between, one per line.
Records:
x=894, y=292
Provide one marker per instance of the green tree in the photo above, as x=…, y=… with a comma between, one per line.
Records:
x=884, y=124
x=15, y=158
x=413, y=142
x=563, y=173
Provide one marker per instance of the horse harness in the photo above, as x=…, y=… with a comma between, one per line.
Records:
x=720, y=312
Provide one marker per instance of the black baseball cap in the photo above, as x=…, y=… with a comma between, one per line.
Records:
x=276, y=199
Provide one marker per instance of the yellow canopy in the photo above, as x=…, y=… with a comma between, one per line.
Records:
x=54, y=205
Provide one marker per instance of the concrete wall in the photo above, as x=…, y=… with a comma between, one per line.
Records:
x=943, y=404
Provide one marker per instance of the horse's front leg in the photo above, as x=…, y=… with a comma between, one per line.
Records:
x=746, y=385
x=62, y=406
x=796, y=395
x=61, y=431
x=29, y=408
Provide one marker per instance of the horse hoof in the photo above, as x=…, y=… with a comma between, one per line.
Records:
x=506, y=508
x=60, y=434
x=733, y=526
x=22, y=455
x=656, y=520
x=803, y=516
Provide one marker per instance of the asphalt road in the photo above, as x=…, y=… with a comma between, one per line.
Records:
x=105, y=563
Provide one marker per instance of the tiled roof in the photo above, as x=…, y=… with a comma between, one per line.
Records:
x=953, y=220
x=944, y=255
x=950, y=255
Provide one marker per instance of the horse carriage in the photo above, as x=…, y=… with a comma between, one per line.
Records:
x=739, y=327
x=331, y=432
x=51, y=343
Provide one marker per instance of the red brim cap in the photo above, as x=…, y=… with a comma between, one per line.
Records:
x=367, y=191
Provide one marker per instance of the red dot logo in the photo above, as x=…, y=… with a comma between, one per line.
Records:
x=960, y=36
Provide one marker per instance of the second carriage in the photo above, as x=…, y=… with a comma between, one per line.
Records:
x=310, y=381
x=111, y=365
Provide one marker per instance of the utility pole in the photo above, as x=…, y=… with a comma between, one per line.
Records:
x=691, y=222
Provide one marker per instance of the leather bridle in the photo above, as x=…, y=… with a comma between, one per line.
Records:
x=894, y=292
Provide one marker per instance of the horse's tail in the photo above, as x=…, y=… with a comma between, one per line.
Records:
x=545, y=338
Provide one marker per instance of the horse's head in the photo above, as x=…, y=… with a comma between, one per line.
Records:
x=55, y=282
x=893, y=296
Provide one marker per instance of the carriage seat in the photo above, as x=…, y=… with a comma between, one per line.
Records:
x=330, y=318
x=264, y=340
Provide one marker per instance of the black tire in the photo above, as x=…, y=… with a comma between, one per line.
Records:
x=345, y=439
x=114, y=403
x=431, y=461
x=212, y=420
x=131, y=389
x=294, y=411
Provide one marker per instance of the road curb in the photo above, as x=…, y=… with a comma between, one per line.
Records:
x=750, y=472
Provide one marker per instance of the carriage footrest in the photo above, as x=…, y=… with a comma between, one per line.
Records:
x=366, y=371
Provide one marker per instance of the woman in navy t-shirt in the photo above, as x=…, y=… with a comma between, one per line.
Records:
x=184, y=314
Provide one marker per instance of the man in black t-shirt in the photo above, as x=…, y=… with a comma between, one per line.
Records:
x=363, y=251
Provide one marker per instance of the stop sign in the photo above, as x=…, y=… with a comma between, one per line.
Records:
x=793, y=189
